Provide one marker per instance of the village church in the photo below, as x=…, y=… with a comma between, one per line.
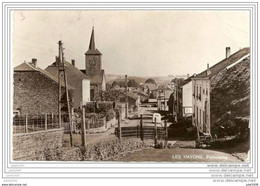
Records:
x=93, y=68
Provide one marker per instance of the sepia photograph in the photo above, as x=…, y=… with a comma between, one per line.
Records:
x=131, y=86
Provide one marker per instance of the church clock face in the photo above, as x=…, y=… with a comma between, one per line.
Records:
x=92, y=62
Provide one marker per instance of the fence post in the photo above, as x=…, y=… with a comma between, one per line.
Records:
x=166, y=134
x=72, y=120
x=88, y=125
x=83, y=129
x=119, y=126
x=26, y=123
x=137, y=131
x=46, y=121
x=52, y=116
x=155, y=133
x=141, y=129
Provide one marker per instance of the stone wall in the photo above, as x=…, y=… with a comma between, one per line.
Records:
x=106, y=125
x=36, y=145
x=106, y=150
x=35, y=93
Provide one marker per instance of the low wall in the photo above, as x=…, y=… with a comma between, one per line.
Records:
x=107, y=125
x=36, y=145
x=111, y=123
x=108, y=150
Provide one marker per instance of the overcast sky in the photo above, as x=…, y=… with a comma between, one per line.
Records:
x=142, y=43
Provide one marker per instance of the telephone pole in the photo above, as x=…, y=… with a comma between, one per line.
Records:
x=61, y=69
x=126, y=98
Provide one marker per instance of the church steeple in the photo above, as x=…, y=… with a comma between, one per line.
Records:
x=92, y=41
x=92, y=48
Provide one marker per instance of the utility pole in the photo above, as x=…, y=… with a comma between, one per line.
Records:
x=177, y=96
x=164, y=99
x=62, y=69
x=126, y=98
x=59, y=76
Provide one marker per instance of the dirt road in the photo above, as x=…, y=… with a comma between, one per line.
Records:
x=179, y=155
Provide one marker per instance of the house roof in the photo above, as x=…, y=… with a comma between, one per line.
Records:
x=92, y=49
x=53, y=69
x=151, y=86
x=142, y=93
x=224, y=63
x=28, y=67
x=215, y=69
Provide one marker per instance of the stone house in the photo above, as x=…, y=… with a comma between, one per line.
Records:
x=186, y=86
x=201, y=89
x=77, y=79
x=201, y=104
x=35, y=90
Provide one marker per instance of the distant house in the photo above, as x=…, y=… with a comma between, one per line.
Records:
x=163, y=97
x=133, y=100
x=187, y=108
x=143, y=96
x=36, y=90
x=187, y=98
x=150, y=88
x=77, y=79
x=201, y=84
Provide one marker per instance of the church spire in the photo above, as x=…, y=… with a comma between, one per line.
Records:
x=92, y=48
x=92, y=41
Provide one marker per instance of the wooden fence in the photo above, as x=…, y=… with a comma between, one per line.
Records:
x=31, y=123
x=143, y=132
x=148, y=132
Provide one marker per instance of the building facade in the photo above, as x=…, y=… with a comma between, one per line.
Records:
x=36, y=91
x=201, y=104
x=187, y=99
x=75, y=78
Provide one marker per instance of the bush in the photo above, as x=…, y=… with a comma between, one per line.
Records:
x=95, y=120
x=110, y=114
x=98, y=107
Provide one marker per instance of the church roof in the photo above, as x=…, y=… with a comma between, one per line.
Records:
x=92, y=48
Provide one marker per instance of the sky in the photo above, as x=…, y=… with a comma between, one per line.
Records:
x=136, y=43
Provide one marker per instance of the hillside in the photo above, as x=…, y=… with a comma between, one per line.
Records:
x=160, y=80
x=230, y=100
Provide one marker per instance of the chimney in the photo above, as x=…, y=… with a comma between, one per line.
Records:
x=73, y=62
x=57, y=61
x=227, y=52
x=208, y=70
x=34, y=62
x=188, y=75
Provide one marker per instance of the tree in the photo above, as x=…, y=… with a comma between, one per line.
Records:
x=132, y=83
x=150, y=80
x=108, y=86
x=115, y=83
